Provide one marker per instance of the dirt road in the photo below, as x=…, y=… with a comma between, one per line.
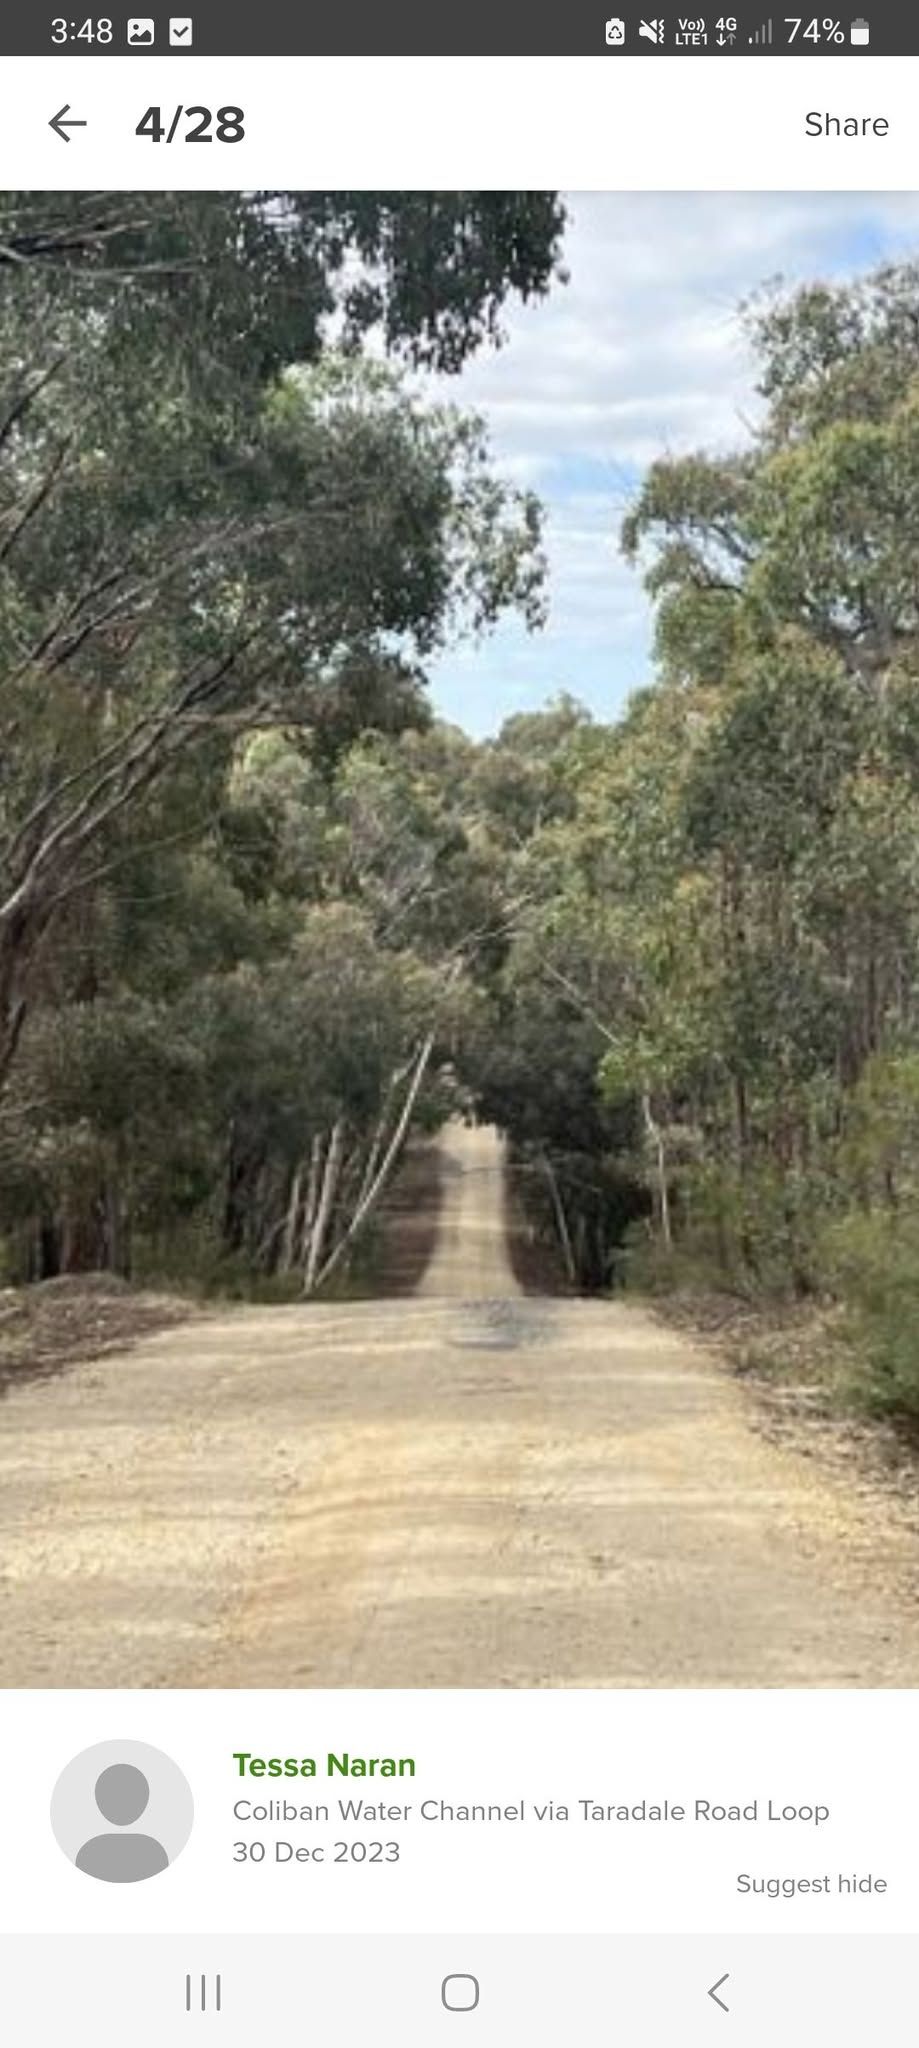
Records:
x=470, y=1487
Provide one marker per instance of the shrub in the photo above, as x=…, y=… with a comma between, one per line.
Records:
x=872, y=1262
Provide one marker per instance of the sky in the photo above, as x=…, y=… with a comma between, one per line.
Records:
x=640, y=354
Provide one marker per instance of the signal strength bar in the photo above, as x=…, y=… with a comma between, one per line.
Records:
x=763, y=34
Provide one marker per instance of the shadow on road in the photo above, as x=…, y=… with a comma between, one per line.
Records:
x=409, y=1221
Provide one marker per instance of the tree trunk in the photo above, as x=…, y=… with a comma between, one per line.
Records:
x=83, y=1241
x=561, y=1220
x=291, y=1220
x=376, y=1145
x=372, y=1195
x=23, y=926
x=244, y=1168
x=311, y=1203
x=374, y=1191
x=313, y=1270
x=111, y=1229
x=656, y=1142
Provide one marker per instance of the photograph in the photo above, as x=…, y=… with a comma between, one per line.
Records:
x=459, y=939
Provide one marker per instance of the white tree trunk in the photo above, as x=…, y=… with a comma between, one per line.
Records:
x=656, y=1142
x=376, y=1144
x=370, y=1194
x=374, y=1191
x=312, y=1195
x=289, y=1240
x=313, y=1269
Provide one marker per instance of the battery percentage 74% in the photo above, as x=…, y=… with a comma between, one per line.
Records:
x=815, y=30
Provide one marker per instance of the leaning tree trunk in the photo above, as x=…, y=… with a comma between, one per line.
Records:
x=291, y=1220
x=12, y=995
x=311, y=1203
x=313, y=1270
x=371, y=1195
x=377, y=1185
x=376, y=1144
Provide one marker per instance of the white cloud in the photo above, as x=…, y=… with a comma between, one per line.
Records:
x=641, y=353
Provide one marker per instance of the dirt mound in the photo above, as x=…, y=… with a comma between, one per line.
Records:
x=59, y=1323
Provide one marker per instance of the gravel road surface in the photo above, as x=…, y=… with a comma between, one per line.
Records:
x=468, y=1487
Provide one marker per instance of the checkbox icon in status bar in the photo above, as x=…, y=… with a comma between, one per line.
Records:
x=181, y=31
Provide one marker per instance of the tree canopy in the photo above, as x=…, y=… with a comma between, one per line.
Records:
x=262, y=915
x=732, y=899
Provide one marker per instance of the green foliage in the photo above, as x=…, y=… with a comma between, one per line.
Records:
x=243, y=283
x=718, y=935
x=872, y=1262
x=869, y=1250
x=236, y=905
x=261, y=915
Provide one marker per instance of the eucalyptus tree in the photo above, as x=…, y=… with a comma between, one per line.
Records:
x=145, y=611
x=187, y=534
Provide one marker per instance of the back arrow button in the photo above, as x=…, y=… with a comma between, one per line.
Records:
x=60, y=125
x=714, y=1990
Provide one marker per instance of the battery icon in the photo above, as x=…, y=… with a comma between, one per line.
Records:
x=860, y=32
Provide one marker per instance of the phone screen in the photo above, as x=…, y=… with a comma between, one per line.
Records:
x=459, y=1025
